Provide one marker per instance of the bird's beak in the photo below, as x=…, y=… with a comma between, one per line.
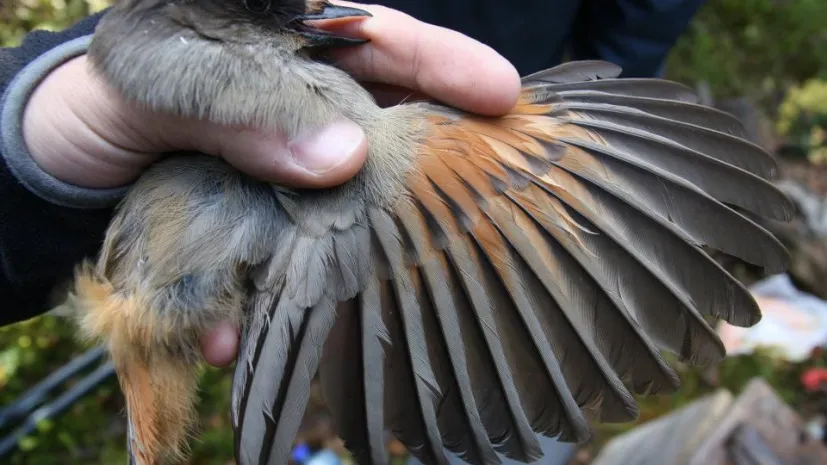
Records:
x=318, y=38
x=330, y=11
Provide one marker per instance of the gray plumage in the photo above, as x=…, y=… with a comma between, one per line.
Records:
x=480, y=281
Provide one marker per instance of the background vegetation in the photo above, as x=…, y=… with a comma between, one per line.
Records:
x=772, y=53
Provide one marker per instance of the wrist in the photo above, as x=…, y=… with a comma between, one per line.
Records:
x=79, y=131
x=14, y=149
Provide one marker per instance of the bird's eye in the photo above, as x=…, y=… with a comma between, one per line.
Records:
x=258, y=6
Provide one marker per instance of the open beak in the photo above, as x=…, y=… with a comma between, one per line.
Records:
x=318, y=38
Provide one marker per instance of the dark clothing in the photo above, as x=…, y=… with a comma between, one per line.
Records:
x=534, y=34
x=41, y=242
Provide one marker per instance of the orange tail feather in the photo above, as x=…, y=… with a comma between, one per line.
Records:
x=160, y=389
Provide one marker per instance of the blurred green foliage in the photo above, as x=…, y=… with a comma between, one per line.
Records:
x=92, y=430
x=33, y=349
x=802, y=120
x=755, y=48
x=20, y=16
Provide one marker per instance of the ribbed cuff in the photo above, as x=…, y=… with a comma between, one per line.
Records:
x=13, y=146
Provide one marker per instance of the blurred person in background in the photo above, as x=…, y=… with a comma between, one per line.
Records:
x=637, y=35
x=70, y=146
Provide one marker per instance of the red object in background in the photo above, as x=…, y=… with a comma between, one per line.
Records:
x=814, y=379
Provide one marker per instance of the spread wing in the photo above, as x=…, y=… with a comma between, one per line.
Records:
x=529, y=281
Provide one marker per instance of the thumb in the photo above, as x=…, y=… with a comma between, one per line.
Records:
x=324, y=157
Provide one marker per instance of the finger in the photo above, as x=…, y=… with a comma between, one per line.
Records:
x=220, y=346
x=323, y=158
x=439, y=62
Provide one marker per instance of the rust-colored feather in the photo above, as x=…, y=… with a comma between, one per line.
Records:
x=160, y=390
x=601, y=269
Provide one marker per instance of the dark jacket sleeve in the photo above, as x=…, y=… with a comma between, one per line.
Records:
x=40, y=241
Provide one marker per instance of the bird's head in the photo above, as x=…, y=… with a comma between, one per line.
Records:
x=229, y=61
x=280, y=23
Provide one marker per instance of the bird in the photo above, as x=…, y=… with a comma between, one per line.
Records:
x=480, y=282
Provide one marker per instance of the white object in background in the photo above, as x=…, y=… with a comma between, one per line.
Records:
x=813, y=207
x=793, y=322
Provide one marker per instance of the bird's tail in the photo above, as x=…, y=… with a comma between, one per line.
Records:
x=159, y=385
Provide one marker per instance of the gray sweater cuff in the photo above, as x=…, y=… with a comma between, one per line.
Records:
x=13, y=147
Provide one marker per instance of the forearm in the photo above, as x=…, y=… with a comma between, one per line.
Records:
x=46, y=227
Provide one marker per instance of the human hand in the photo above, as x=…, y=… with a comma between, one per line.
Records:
x=79, y=130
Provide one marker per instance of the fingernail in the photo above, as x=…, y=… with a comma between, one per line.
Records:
x=323, y=150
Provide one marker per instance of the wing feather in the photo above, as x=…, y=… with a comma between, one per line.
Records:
x=571, y=310
x=353, y=377
x=409, y=345
x=708, y=174
x=586, y=70
x=534, y=268
x=673, y=110
x=535, y=92
x=290, y=354
x=716, y=144
x=517, y=437
x=663, y=226
x=443, y=293
x=568, y=217
x=559, y=414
